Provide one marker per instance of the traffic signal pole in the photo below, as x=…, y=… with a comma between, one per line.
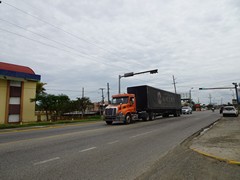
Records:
x=235, y=87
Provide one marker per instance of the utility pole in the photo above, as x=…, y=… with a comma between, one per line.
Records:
x=108, y=93
x=236, y=89
x=210, y=98
x=174, y=83
x=190, y=96
x=83, y=92
x=101, y=105
x=102, y=95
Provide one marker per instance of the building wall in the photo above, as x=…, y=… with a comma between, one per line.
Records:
x=3, y=98
x=28, y=107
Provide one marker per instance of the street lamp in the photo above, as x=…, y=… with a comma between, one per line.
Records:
x=236, y=88
x=190, y=96
x=132, y=74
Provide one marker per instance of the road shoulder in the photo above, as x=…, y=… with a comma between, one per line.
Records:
x=221, y=141
x=184, y=163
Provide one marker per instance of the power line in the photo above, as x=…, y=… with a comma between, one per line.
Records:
x=85, y=54
x=59, y=28
x=58, y=48
x=45, y=44
x=79, y=53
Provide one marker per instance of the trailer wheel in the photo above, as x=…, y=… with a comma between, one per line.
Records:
x=128, y=119
x=151, y=116
x=165, y=115
x=109, y=122
x=146, y=117
x=179, y=113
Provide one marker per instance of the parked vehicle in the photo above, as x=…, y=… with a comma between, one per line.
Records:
x=186, y=110
x=230, y=111
x=142, y=103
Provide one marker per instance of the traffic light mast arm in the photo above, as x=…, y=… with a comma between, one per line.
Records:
x=132, y=74
x=151, y=72
x=216, y=88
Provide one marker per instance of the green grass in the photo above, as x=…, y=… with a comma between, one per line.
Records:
x=49, y=123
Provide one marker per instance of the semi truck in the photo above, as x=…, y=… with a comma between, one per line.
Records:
x=142, y=103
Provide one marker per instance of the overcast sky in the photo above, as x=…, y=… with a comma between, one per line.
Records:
x=88, y=43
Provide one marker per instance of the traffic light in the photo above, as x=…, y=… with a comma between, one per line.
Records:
x=154, y=71
x=128, y=74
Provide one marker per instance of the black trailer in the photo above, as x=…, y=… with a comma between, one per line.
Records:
x=151, y=102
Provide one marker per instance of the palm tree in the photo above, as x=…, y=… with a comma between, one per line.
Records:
x=39, y=88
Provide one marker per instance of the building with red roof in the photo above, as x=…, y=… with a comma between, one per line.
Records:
x=17, y=88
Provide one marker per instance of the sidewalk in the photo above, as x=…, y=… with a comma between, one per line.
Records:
x=221, y=141
x=214, y=154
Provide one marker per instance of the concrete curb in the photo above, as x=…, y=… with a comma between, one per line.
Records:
x=196, y=134
x=217, y=158
x=43, y=127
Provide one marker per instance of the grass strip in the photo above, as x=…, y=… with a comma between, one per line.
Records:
x=48, y=123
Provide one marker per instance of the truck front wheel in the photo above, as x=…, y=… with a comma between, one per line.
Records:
x=128, y=119
x=109, y=122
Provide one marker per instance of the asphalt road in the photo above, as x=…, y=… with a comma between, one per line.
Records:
x=96, y=150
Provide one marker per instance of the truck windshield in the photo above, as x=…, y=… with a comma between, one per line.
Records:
x=120, y=100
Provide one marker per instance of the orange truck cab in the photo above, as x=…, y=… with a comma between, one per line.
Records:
x=122, y=109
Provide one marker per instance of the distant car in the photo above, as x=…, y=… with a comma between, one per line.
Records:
x=186, y=110
x=230, y=111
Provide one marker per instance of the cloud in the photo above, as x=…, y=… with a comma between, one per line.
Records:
x=90, y=43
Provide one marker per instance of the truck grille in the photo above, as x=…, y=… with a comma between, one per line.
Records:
x=110, y=112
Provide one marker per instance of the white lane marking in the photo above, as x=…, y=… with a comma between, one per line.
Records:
x=113, y=142
x=141, y=134
x=45, y=161
x=88, y=149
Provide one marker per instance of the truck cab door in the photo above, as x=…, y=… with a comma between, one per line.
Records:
x=132, y=104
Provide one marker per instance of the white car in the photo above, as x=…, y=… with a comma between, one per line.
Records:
x=230, y=111
x=186, y=110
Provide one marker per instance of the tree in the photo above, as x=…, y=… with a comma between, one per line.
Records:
x=83, y=103
x=53, y=104
x=39, y=88
x=62, y=104
x=45, y=102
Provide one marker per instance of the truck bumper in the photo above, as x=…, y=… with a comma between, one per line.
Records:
x=119, y=118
